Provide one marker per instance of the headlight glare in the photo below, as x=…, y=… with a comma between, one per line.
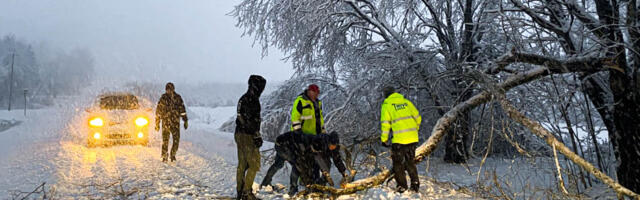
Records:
x=141, y=121
x=97, y=122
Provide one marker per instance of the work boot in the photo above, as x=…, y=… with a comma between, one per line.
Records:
x=173, y=158
x=250, y=196
x=164, y=160
x=293, y=191
x=414, y=188
x=239, y=195
x=401, y=189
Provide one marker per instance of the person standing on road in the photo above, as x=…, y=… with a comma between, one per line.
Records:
x=248, y=138
x=168, y=113
x=400, y=119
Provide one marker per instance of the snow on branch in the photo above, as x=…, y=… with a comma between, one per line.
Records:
x=572, y=64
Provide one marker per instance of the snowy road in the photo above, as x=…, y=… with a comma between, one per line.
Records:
x=135, y=170
x=48, y=147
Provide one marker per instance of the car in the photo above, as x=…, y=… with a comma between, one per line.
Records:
x=119, y=118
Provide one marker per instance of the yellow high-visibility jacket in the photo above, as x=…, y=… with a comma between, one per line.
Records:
x=400, y=117
x=306, y=117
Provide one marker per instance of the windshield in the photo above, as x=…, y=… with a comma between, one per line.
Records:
x=119, y=102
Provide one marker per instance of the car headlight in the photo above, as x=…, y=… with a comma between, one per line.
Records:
x=141, y=121
x=97, y=122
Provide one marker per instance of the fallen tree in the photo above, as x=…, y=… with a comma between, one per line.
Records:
x=537, y=129
x=546, y=66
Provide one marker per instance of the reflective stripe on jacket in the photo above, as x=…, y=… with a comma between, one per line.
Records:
x=307, y=116
x=400, y=118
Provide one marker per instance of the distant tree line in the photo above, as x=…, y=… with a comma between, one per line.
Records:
x=44, y=72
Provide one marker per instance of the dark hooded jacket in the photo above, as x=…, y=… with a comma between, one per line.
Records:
x=304, y=151
x=248, y=119
x=295, y=148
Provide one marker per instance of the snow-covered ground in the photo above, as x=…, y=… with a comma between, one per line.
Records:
x=48, y=146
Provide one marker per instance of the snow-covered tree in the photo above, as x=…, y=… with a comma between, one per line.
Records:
x=452, y=56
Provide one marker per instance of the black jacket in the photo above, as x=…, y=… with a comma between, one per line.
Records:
x=294, y=142
x=304, y=150
x=170, y=109
x=248, y=119
x=295, y=148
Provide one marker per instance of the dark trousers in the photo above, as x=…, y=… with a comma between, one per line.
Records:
x=302, y=166
x=248, y=162
x=277, y=165
x=319, y=166
x=403, y=156
x=174, y=132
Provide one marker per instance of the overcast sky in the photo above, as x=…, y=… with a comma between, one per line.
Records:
x=156, y=40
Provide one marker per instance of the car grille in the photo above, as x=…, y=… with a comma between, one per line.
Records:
x=115, y=123
x=118, y=136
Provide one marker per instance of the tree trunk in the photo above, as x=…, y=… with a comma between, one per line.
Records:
x=627, y=120
x=623, y=84
x=456, y=140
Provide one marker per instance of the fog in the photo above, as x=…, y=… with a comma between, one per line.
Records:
x=148, y=40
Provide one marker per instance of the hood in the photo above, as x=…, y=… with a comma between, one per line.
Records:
x=304, y=95
x=334, y=138
x=395, y=95
x=257, y=84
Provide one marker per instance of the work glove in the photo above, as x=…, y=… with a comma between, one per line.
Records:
x=346, y=177
x=345, y=173
x=384, y=144
x=257, y=141
x=186, y=124
x=344, y=181
x=328, y=178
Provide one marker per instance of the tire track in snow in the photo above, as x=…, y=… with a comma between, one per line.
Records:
x=137, y=172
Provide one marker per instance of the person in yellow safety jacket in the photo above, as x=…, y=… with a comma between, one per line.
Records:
x=400, y=122
x=306, y=117
x=306, y=114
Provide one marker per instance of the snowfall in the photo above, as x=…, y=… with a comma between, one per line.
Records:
x=47, y=146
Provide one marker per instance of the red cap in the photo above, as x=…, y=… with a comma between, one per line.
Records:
x=314, y=87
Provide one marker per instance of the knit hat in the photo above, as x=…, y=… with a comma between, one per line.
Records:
x=314, y=87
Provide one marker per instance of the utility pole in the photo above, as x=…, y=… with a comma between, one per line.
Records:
x=13, y=57
x=25, y=102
